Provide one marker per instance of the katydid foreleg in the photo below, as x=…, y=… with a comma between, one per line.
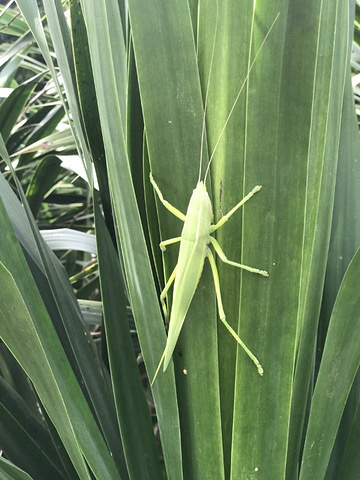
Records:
x=226, y=217
x=166, y=204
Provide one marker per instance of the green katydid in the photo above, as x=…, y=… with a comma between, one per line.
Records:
x=195, y=241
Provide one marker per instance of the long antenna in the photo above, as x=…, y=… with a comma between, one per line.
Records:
x=207, y=90
x=238, y=96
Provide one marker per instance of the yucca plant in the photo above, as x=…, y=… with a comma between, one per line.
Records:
x=137, y=79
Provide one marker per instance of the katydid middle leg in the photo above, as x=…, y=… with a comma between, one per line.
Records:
x=165, y=243
x=224, y=258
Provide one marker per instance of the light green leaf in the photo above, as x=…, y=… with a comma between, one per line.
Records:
x=170, y=92
x=8, y=471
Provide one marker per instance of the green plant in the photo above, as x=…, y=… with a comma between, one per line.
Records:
x=134, y=76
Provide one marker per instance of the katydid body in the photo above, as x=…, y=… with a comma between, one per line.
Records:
x=195, y=238
x=194, y=248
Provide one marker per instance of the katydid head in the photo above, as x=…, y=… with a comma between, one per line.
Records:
x=200, y=202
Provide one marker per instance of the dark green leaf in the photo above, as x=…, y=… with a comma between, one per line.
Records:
x=339, y=364
x=133, y=413
x=42, y=181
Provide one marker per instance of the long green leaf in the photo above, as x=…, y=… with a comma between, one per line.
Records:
x=345, y=239
x=26, y=295
x=339, y=364
x=245, y=156
x=8, y=471
x=12, y=107
x=24, y=439
x=44, y=362
x=89, y=108
x=61, y=39
x=108, y=58
x=329, y=72
x=133, y=413
x=172, y=107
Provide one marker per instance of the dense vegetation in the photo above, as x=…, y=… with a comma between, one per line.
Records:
x=95, y=94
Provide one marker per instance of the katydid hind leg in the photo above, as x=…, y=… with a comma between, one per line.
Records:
x=223, y=316
x=165, y=292
x=164, y=307
x=158, y=367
